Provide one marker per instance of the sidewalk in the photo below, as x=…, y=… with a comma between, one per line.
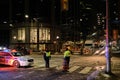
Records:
x=101, y=75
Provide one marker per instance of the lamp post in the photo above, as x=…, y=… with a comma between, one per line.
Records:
x=107, y=54
x=57, y=43
x=26, y=19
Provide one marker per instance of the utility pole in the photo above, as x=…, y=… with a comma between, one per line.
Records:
x=107, y=55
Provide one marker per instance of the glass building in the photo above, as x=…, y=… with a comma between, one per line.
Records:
x=32, y=25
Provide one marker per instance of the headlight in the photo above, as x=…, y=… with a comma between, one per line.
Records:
x=4, y=48
x=0, y=48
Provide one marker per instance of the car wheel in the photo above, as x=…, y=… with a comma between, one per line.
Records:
x=16, y=64
x=86, y=51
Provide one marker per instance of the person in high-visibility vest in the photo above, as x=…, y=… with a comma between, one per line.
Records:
x=47, y=57
x=67, y=54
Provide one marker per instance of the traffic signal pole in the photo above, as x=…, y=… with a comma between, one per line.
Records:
x=107, y=54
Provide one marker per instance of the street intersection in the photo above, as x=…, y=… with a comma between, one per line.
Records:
x=81, y=66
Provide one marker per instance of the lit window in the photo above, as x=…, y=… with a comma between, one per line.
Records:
x=33, y=35
x=21, y=34
x=44, y=34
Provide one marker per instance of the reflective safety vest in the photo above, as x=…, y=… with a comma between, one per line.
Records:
x=48, y=54
x=67, y=53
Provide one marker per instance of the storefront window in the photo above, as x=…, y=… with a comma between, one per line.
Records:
x=33, y=35
x=33, y=47
x=21, y=34
x=44, y=34
x=41, y=47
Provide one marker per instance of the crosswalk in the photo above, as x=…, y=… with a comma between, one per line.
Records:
x=23, y=72
x=79, y=69
x=73, y=68
x=85, y=70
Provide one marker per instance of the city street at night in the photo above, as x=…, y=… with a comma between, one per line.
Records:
x=81, y=67
x=84, y=32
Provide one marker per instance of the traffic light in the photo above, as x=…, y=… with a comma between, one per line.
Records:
x=64, y=5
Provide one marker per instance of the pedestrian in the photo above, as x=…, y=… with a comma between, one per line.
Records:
x=66, y=62
x=47, y=57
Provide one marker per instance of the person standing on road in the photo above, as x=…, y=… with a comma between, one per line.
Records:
x=67, y=54
x=47, y=57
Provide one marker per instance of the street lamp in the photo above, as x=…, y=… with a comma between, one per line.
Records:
x=57, y=37
x=57, y=44
x=26, y=16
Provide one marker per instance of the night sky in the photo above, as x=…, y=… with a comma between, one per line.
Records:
x=4, y=10
x=4, y=15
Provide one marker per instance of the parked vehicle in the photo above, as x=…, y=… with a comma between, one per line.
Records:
x=88, y=47
x=15, y=58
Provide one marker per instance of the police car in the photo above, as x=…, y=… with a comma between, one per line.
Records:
x=15, y=58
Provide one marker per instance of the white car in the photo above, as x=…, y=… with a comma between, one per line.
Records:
x=15, y=58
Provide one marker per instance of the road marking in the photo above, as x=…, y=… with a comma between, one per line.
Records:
x=37, y=66
x=59, y=67
x=31, y=72
x=42, y=65
x=85, y=70
x=73, y=68
x=53, y=66
x=18, y=76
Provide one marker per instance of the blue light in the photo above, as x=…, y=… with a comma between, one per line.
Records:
x=7, y=50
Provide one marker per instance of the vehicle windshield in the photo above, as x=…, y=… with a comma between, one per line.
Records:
x=17, y=54
x=88, y=44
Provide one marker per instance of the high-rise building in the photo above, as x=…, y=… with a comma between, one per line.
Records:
x=114, y=18
x=79, y=16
